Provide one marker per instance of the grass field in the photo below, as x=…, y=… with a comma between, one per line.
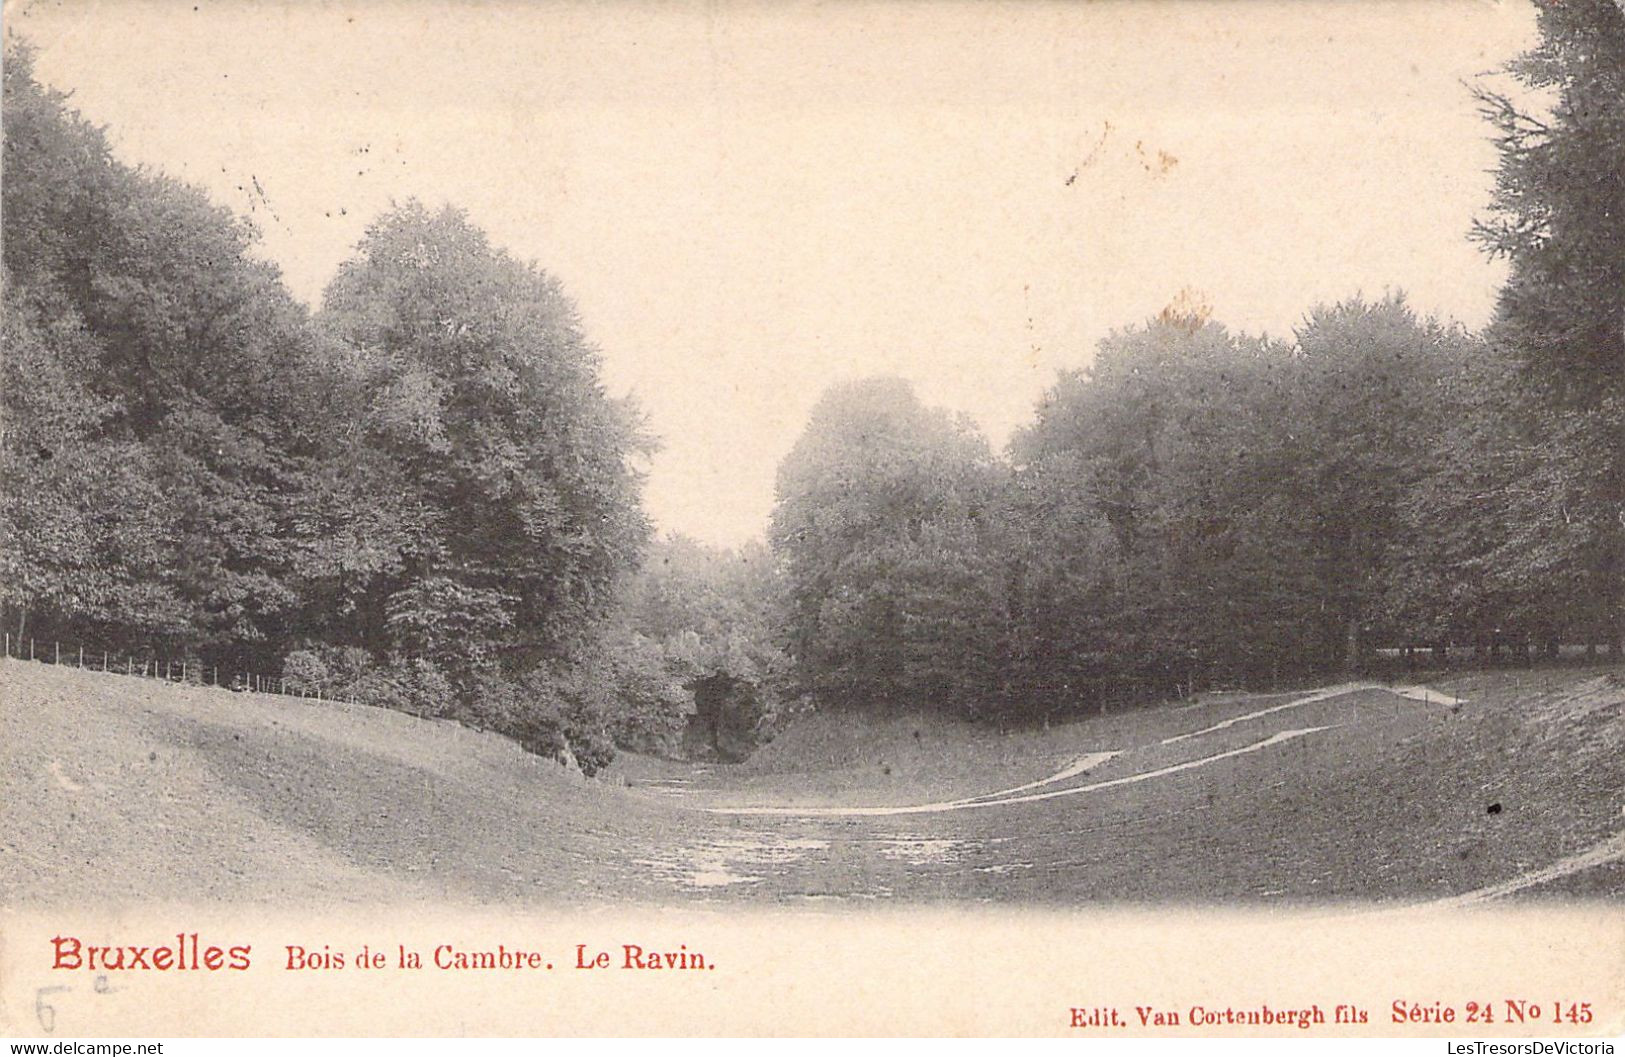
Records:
x=1504, y=784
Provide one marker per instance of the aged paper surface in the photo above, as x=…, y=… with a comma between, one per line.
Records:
x=751, y=202
x=864, y=972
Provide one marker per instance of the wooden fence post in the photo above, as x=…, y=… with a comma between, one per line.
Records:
x=30, y=649
x=104, y=660
x=183, y=671
x=57, y=650
x=81, y=656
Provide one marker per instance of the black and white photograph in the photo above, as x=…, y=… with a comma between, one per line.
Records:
x=800, y=470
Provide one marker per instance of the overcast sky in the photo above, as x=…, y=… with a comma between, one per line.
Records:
x=751, y=202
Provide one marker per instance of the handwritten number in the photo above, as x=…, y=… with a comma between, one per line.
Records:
x=45, y=1012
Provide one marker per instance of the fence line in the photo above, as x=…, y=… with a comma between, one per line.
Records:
x=1392, y=661
x=152, y=666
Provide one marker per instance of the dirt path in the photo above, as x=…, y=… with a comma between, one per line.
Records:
x=1078, y=766
x=1090, y=761
x=1319, y=695
x=1031, y=798
x=1424, y=694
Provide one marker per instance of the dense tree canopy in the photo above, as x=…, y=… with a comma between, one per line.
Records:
x=1558, y=211
x=1558, y=216
x=414, y=496
x=513, y=462
x=421, y=495
x=141, y=308
x=1195, y=507
x=886, y=526
x=1202, y=504
x=1145, y=480
x=714, y=616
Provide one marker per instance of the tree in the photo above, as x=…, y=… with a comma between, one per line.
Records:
x=1365, y=401
x=715, y=616
x=1558, y=217
x=1558, y=210
x=84, y=540
x=1199, y=506
x=885, y=526
x=425, y=494
x=516, y=466
x=185, y=352
x=1154, y=543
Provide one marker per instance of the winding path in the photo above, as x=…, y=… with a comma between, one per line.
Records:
x=1024, y=794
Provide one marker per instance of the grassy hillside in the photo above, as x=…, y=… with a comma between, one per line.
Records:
x=133, y=790
x=126, y=788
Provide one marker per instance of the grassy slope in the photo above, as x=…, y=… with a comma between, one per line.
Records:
x=135, y=790
x=1394, y=803
x=835, y=757
x=125, y=788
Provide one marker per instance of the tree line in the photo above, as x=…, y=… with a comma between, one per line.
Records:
x=1202, y=507
x=420, y=494
x=1195, y=508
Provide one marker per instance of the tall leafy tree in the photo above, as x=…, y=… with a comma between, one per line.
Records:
x=1558, y=209
x=185, y=347
x=1558, y=217
x=516, y=466
x=1203, y=506
x=1156, y=545
x=84, y=536
x=886, y=527
x=1364, y=414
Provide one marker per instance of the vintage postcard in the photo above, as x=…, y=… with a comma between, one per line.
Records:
x=1101, y=520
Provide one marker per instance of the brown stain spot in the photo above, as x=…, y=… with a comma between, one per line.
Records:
x=1190, y=311
x=1094, y=153
x=1158, y=165
x=1157, y=162
x=1034, y=349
